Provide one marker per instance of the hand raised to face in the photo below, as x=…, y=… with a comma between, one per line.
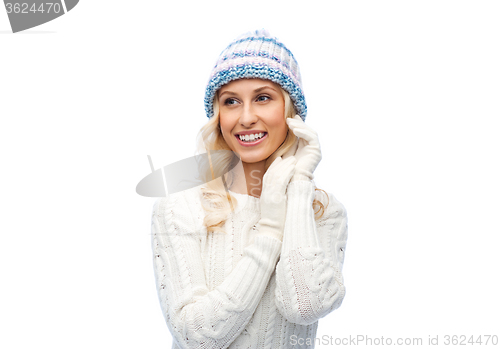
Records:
x=308, y=152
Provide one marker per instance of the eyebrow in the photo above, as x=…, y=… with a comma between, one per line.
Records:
x=255, y=91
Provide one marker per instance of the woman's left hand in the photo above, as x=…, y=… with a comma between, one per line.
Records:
x=308, y=153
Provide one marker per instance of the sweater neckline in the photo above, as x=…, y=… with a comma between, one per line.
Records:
x=246, y=201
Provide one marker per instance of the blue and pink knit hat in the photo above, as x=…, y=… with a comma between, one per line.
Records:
x=257, y=54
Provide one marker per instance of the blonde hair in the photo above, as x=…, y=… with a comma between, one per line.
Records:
x=217, y=202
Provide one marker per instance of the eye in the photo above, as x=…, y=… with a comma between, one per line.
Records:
x=263, y=98
x=230, y=101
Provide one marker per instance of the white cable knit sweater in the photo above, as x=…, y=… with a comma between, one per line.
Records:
x=246, y=289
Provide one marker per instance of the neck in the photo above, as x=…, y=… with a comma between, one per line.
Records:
x=252, y=173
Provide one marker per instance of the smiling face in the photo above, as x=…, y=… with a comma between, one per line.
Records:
x=252, y=107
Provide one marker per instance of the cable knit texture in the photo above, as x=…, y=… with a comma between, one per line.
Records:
x=246, y=289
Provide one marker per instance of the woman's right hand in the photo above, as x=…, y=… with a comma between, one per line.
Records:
x=273, y=196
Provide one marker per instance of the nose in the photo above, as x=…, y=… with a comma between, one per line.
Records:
x=248, y=116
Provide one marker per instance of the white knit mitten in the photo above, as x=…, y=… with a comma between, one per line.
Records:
x=273, y=197
x=292, y=150
x=308, y=153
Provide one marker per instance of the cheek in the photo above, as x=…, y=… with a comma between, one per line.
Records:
x=225, y=129
x=279, y=125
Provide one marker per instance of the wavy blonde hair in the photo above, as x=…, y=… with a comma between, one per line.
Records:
x=217, y=202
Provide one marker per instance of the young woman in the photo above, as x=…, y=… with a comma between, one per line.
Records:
x=252, y=259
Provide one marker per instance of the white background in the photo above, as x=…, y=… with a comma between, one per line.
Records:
x=404, y=96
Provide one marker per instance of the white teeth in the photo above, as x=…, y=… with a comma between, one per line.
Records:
x=250, y=138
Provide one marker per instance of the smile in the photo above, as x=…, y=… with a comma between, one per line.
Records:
x=251, y=143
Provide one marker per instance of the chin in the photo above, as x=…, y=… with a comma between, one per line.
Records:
x=250, y=159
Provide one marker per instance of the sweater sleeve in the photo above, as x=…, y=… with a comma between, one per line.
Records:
x=309, y=282
x=197, y=317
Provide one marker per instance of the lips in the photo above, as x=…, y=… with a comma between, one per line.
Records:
x=251, y=132
x=250, y=144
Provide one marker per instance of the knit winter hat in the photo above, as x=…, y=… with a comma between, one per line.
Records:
x=257, y=54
